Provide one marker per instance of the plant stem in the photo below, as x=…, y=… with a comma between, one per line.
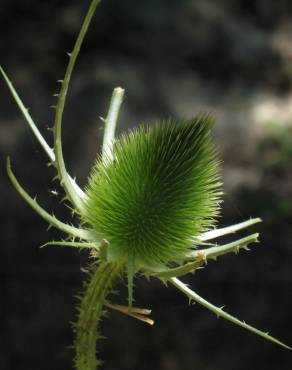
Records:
x=103, y=276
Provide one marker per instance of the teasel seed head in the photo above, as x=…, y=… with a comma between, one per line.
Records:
x=161, y=190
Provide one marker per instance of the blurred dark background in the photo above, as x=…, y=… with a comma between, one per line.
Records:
x=174, y=58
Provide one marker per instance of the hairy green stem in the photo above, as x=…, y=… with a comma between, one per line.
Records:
x=100, y=285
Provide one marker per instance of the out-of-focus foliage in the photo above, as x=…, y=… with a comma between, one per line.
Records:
x=274, y=160
x=275, y=148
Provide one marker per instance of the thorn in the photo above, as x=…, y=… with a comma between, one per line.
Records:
x=54, y=192
x=56, y=178
x=69, y=54
x=53, y=106
x=56, y=95
x=164, y=282
x=63, y=199
x=102, y=119
x=84, y=270
x=60, y=81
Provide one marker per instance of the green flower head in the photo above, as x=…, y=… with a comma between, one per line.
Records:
x=159, y=192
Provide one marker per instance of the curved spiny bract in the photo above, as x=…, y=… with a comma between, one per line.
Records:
x=159, y=192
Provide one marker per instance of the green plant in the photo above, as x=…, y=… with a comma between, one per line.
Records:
x=149, y=207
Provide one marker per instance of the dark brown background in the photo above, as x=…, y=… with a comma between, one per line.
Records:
x=174, y=58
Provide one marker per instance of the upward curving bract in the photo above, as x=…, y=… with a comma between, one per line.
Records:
x=160, y=190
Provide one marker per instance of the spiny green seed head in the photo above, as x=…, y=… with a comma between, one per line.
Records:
x=160, y=191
